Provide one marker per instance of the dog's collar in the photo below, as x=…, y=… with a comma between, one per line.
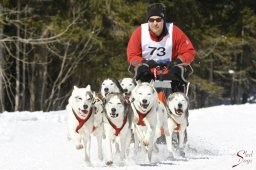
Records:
x=81, y=121
x=118, y=130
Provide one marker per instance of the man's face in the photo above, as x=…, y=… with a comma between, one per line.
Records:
x=156, y=24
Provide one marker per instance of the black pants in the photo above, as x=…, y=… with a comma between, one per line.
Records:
x=178, y=85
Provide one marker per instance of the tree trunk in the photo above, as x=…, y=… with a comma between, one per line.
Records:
x=24, y=95
x=32, y=87
x=44, y=79
x=17, y=88
x=1, y=68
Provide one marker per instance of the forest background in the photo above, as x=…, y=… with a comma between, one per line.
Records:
x=48, y=46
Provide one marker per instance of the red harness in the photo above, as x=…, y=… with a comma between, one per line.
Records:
x=81, y=121
x=118, y=130
x=177, y=128
x=141, y=117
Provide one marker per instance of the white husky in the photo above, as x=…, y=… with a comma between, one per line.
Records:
x=110, y=85
x=80, y=120
x=116, y=126
x=147, y=120
x=178, y=104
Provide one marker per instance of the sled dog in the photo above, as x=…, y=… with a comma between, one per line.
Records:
x=128, y=84
x=178, y=105
x=144, y=102
x=80, y=120
x=110, y=85
x=116, y=126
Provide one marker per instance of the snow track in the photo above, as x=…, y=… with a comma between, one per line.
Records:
x=37, y=140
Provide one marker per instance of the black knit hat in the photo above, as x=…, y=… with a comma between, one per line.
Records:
x=157, y=9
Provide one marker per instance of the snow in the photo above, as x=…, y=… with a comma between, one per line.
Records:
x=37, y=141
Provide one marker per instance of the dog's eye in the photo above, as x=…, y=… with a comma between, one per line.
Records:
x=130, y=84
x=149, y=94
x=140, y=93
x=110, y=102
x=111, y=84
x=119, y=103
x=78, y=98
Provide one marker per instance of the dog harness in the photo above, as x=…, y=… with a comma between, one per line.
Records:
x=118, y=130
x=177, y=128
x=141, y=117
x=82, y=121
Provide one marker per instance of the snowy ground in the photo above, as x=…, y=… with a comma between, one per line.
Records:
x=34, y=141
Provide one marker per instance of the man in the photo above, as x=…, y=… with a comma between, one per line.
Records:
x=158, y=49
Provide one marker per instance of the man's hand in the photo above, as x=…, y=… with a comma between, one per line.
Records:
x=150, y=63
x=174, y=63
x=174, y=70
x=142, y=72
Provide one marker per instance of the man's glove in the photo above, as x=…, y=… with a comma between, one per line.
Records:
x=141, y=70
x=150, y=63
x=174, y=63
x=143, y=73
x=174, y=70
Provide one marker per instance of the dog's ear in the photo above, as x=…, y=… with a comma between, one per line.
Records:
x=170, y=97
x=75, y=87
x=138, y=82
x=120, y=81
x=187, y=99
x=88, y=87
x=152, y=83
x=91, y=95
x=118, y=85
x=134, y=82
x=94, y=94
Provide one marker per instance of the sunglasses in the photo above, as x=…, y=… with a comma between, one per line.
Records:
x=154, y=19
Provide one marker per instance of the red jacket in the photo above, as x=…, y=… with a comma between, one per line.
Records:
x=182, y=47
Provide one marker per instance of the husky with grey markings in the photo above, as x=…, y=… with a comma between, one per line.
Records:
x=81, y=121
x=116, y=126
x=178, y=105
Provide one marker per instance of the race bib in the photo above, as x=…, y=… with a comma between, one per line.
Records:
x=161, y=52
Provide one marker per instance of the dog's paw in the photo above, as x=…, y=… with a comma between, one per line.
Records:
x=145, y=142
x=109, y=163
x=79, y=146
x=181, y=153
x=100, y=157
x=170, y=156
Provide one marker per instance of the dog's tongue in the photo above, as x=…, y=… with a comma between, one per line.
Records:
x=179, y=111
x=144, y=106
